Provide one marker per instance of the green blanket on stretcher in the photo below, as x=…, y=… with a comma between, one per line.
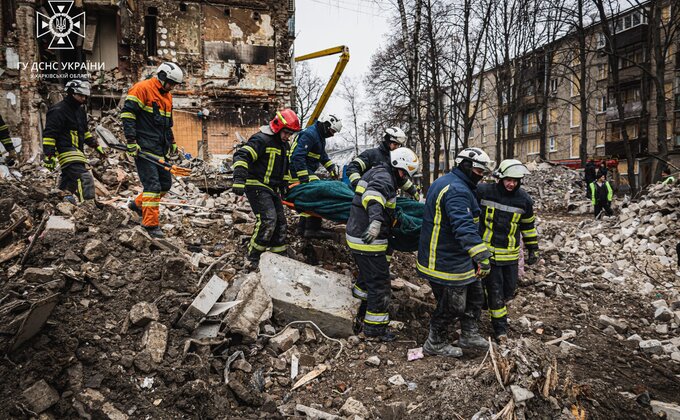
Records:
x=333, y=199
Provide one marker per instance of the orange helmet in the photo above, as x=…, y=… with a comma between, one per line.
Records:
x=285, y=119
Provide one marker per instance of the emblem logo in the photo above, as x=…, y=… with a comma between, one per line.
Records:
x=61, y=25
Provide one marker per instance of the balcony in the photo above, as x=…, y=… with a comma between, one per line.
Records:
x=630, y=110
x=527, y=130
x=616, y=149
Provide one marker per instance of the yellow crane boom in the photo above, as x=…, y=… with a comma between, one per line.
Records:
x=339, y=68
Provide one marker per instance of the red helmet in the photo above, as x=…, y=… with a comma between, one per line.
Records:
x=285, y=119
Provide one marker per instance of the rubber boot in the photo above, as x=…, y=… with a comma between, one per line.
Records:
x=313, y=230
x=155, y=232
x=133, y=206
x=378, y=333
x=436, y=345
x=472, y=339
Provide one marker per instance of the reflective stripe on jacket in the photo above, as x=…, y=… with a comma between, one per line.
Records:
x=307, y=150
x=450, y=237
x=373, y=157
x=375, y=199
x=262, y=162
x=147, y=116
x=66, y=132
x=505, y=215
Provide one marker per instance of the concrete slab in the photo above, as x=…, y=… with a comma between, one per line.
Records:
x=203, y=303
x=40, y=396
x=305, y=292
x=35, y=319
x=255, y=307
x=60, y=223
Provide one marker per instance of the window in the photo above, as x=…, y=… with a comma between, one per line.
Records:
x=575, y=145
x=482, y=133
x=552, y=115
x=485, y=111
x=472, y=133
x=627, y=22
x=575, y=87
x=575, y=116
x=666, y=14
x=631, y=130
x=150, y=28
x=599, y=138
x=601, y=104
x=668, y=91
x=601, y=40
x=631, y=58
x=552, y=144
x=601, y=71
x=669, y=129
x=553, y=85
x=8, y=17
x=533, y=146
x=529, y=123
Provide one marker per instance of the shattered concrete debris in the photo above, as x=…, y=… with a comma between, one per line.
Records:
x=142, y=313
x=254, y=308
x=353, y=407
x=203, y=303
x=40, y=396
x=285, y=340
x=155, y=340
x=304, y=292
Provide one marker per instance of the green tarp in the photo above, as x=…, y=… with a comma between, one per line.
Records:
x=333, y=199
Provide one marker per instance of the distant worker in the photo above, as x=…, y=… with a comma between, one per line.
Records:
x=666, y=177
x=261, y=170
x=306, y=153
x=589, y=175
x=6, y=141
x=371, y=219
x=602, y=170
x=147, y=123
x=601, y=195
x=393, y=139
x=452, y=255
x=507, y=211
x=65, y=134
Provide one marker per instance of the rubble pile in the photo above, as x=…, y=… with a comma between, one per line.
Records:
x=555, y=188
x=102, y=321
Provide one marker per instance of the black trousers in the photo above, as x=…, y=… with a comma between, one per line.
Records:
x=499, y=287
x=76, y=179
x=154, y=178
x=606, y=206
x=454, y=303
x=270, y=228
x=374, y=289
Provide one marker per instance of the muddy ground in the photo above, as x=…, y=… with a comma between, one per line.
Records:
x=88, y=344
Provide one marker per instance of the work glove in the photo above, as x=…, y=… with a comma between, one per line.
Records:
x=133, y=149
x=371, y=232
x=416, y=196
x=11, y=158
x=238, y=189
x=334, y=171
x=101, y=151
x=50, y=162
x=173, y=151
x=483, y=265
x=533, y=257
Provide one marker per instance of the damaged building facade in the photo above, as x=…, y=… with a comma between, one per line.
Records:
x=236, y=56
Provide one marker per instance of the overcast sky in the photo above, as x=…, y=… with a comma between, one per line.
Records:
x=358, y=24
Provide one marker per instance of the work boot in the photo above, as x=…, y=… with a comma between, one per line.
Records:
x=71, y=199
x=358, y=325
x=377, y=333
x=501, y=339
x=318, y=234
x=472, y=339
x=155, y=232
x=436, y=345
x=133, y=206
x=301, y=226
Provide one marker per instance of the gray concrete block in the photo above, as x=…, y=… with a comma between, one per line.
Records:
x=40, y=396
x=305, y=292
x=203, y=303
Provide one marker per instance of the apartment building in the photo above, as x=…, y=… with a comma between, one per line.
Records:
x=558, y=66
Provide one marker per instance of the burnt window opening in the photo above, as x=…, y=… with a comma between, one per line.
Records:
x=182, y=7
x=150, y=35
x=9, y=17
x=256, y=16
x=227, y=12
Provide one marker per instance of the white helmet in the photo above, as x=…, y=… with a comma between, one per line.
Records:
x=334, y=123
x=170, y=71
x=511, y=168
x=81, y=87
x=395, y=135
x=477, y=156
x=406, y=159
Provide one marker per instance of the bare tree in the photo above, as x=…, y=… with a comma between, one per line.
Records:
x=350, y=93
x=308, y=89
